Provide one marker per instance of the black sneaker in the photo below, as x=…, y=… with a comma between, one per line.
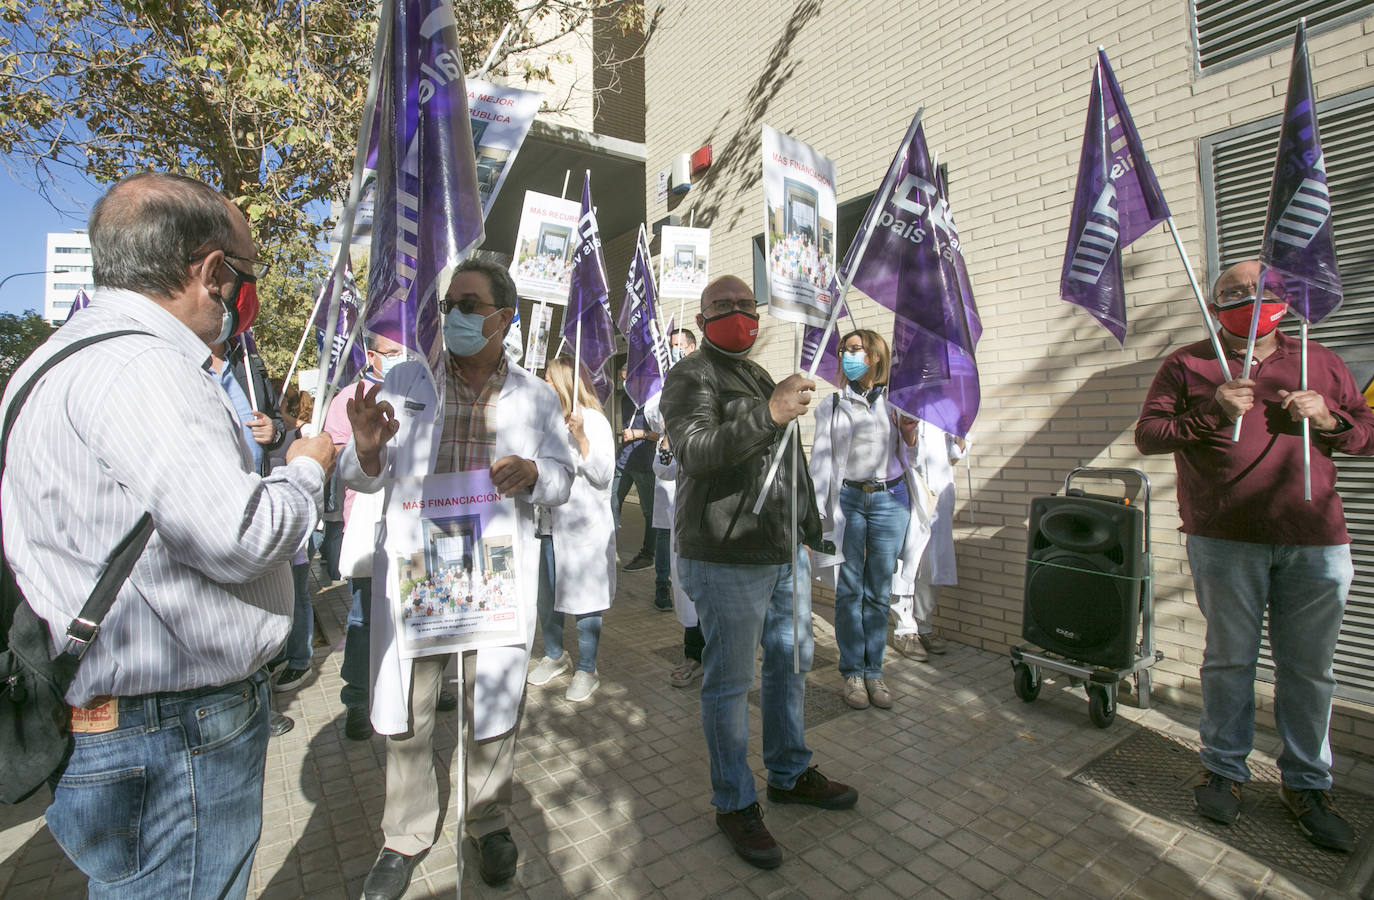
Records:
x=814, y=789
x=746, y=832
x=1319, y=819
x=663, y=597
x=496, y=856
x=447, y=702
x=278, y=724
x=1217, y=797
x=289, y=679
x=641, y=561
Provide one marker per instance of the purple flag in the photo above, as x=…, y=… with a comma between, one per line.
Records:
x=588, y=299
x=910, y=267
x=336, y=372
x=1117, y=199
x=80, y=301
x=428, y=212
x=829, y=366
x=646, y=349
x=1297, y=231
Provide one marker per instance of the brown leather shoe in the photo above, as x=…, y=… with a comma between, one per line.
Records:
x=814, y=789
x=751, y=840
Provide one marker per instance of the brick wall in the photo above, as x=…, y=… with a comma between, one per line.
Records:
x=1005, y=90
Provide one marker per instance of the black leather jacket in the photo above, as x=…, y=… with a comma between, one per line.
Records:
x=715, y=408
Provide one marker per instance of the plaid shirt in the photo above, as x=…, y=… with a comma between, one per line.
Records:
x=469, y=436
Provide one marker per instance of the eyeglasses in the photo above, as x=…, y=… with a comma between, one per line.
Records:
x=466, y=304
x=261, y=266
x=1246, y=294
x=724, y=305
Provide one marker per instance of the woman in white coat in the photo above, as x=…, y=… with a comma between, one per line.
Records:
x=861, y=467
x=577, y=561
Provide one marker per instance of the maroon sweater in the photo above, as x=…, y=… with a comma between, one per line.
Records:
x=1252, y=490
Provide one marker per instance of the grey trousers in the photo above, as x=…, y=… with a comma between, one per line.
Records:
x=410, y=820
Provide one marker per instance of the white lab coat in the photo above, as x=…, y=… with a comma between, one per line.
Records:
x=829, y=455
x=529, y=424
x=583, y=528
x=936, y=450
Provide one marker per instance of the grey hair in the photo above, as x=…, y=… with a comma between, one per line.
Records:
x=498, y=276
x=147, y=227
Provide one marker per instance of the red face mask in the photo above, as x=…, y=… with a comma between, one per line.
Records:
x=1236, y=318
x=733, y=332
x=242, y=309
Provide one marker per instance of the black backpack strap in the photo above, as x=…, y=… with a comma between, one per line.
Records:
x=119, y=563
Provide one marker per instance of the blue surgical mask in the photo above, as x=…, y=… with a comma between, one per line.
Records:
x=391, y=362
x=463, y=333
x=855, y=364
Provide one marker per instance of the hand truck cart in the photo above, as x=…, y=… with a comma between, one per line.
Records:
x=1096, y=544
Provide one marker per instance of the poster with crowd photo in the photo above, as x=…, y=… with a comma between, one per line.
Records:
x=799, y=228
x=454, y=580
x=684, y=262
x=542, y=267
x=501, y=118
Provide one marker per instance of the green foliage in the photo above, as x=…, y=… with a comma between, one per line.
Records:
x=262, y=100
x=19, y=336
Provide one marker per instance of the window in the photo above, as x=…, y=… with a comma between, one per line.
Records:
x=1237, y=168
x=1228, y=31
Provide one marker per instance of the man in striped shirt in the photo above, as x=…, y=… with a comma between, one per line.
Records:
x=162, y=795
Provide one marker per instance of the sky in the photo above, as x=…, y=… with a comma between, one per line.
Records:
x=24, y=231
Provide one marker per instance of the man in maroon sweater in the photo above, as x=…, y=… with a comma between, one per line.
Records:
x=1254, y=543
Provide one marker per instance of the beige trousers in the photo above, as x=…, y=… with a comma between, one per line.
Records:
x=411, y=818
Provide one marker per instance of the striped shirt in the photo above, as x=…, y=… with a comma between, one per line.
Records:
x=139, y=423
x=469, y=435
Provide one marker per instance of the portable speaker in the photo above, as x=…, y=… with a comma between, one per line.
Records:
x=1084, y=568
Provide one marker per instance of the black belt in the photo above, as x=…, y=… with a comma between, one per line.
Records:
x=873, y=487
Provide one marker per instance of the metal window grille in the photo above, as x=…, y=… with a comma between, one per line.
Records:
x=1228, y=31
x=1237, y=169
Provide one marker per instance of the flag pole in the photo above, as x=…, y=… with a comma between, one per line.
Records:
x=792, y=547
x=314, y=311
x=866, y=232
x=385, y=16
x=1250, y=342
x=1306, y=422
x=1201, y=303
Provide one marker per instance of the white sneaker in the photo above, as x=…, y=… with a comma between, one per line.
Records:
x=548, y=669
x=584, y=684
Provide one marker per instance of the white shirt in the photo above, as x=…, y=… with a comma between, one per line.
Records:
x=139, y=423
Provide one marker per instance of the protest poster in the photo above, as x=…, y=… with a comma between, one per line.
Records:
x=501, y=118
x=452, y=565
x=684, y=262
x=799, y=229
x=542, y=267
x=536, y=352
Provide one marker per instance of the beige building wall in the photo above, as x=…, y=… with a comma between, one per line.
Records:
x=1005, y=91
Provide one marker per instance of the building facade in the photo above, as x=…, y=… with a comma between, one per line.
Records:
x=1004, y=89
x=68, y=270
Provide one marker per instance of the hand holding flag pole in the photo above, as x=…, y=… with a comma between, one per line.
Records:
x=847, y=269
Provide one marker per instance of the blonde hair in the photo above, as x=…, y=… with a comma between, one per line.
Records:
x=560, y=374
x=875, y=347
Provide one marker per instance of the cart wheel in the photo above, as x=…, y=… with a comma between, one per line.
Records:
x=1101, y=706
x=1025, y=682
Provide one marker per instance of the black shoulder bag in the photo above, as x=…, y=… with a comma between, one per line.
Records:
x=35, y=720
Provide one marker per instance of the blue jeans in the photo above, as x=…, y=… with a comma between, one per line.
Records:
x=874, y=529
x=741, y=607
x=300, y=642
x=1304, y=590
x=644, y=484
x=551, y=621
x=663, y=563
x=330, y=544
x=169, y=803
x=356, y=667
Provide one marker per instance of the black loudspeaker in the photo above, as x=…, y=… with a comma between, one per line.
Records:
x=1085, y=567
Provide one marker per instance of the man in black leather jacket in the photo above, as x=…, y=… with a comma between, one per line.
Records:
x=725, y=417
